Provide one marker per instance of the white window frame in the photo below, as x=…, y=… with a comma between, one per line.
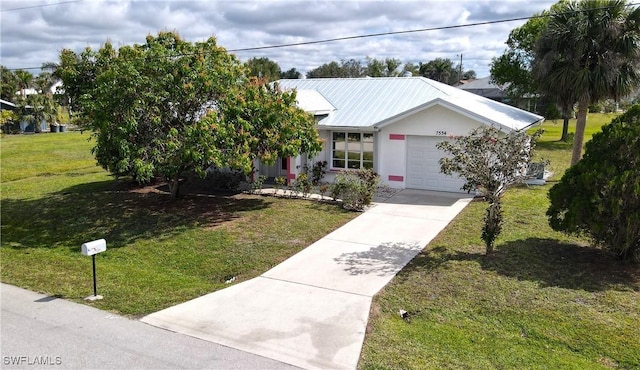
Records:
x=361, y=160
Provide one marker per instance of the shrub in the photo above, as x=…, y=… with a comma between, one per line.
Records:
x=356, y=188
x=302, y=184
x=318, y=171
x=256, y=185
x=280, y=181
x=600, y=195
x=225, y=179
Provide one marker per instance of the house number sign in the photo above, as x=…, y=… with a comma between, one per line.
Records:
x=441, y=133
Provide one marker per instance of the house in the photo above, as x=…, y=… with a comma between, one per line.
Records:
x=486, y=88
x=22, y=126
x=392, y=125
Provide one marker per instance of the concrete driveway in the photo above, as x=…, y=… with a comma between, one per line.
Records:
x=312, y=310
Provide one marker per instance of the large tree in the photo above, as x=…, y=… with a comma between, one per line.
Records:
x=516, y=70
x=261, y=122
x=514, y=67
x=25, y=81
x=9, y=84
x=382, y=68
x=290, y=73
x=344, y=69
x=263, y=68
x=592, y=49
x=147, y=105
x=439, y=69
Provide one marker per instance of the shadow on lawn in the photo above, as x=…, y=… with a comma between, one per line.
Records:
x=118, y=211
x=548, y=262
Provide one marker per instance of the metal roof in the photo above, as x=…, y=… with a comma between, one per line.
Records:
x=374, y=102
x=312, y=101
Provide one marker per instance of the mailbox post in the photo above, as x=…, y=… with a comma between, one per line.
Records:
x=91, y=249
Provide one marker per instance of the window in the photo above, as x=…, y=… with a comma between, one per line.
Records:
x=351, y=150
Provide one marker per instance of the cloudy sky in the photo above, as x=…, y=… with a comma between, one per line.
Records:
x=34, y=32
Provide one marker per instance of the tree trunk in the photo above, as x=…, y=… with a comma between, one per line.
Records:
x=492, y=225
x=174, y=186
x=581, y=122
x=565, y=129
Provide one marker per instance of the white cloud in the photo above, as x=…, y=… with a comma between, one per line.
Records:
x=33, y=36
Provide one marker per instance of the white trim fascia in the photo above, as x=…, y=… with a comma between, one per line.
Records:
x=348, y=128
x=454, y=107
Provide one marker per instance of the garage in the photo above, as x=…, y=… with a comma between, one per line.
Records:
x=423, y=169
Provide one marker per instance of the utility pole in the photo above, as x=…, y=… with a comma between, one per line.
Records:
x=460, y=69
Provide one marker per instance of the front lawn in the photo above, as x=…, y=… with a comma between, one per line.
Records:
x=544, y=301
x=159, y=252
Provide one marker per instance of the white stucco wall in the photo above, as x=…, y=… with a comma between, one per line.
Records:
x=390, y=153
x=392, y=139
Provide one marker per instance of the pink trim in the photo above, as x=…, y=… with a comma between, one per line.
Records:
x=396, y=178
x=396, y=137
x=290, y=175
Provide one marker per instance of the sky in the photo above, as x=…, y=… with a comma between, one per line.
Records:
x=34, y=32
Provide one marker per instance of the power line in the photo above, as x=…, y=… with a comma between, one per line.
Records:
x=409, y=31
x=40, y=6
x=440, y=28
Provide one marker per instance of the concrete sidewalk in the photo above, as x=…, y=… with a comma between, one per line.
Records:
x=312, y=310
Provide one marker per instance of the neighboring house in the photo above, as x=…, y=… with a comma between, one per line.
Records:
x=392, y=125
x=485, y=88
x=22, y=126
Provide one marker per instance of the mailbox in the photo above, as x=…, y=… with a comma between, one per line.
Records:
x=94, y=247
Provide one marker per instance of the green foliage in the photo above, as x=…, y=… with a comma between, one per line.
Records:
x=8, y=121
x=552, y=112
x=302, y=184
x=589, y=52
x=144, y=103
x=225, y=179
x=171, y=108
x=490, y=162
x=263, y=68
x=439, y=69
x=291, y=74
x=8, y=84
x=280, y=181
x=318, y=170
x=382, y=68
x=345, y=69
x=514, y=67
x=261, y=122
x=257, y=184
x=356, y=188
x=600, y=195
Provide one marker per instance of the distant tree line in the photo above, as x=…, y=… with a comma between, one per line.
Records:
x=440, y=69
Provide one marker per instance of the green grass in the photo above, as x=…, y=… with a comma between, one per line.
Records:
x=544, y=301
x=159, y=252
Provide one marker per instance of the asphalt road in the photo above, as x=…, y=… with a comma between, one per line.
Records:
x=45, y=332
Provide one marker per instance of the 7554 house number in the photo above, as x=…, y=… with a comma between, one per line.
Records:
x=441, y=133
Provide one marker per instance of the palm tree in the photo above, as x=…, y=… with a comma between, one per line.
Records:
x=439, y=69
x=25, y=80
x=9, y=84
x=591, y=49
x=41, y=107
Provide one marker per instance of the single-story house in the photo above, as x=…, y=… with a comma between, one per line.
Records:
x=392, y=125
x=22, y=126
x=486, y=88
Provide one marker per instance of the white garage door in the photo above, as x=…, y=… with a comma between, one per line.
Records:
x=423, y=169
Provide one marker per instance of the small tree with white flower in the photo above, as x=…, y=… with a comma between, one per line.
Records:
x=490, y=162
